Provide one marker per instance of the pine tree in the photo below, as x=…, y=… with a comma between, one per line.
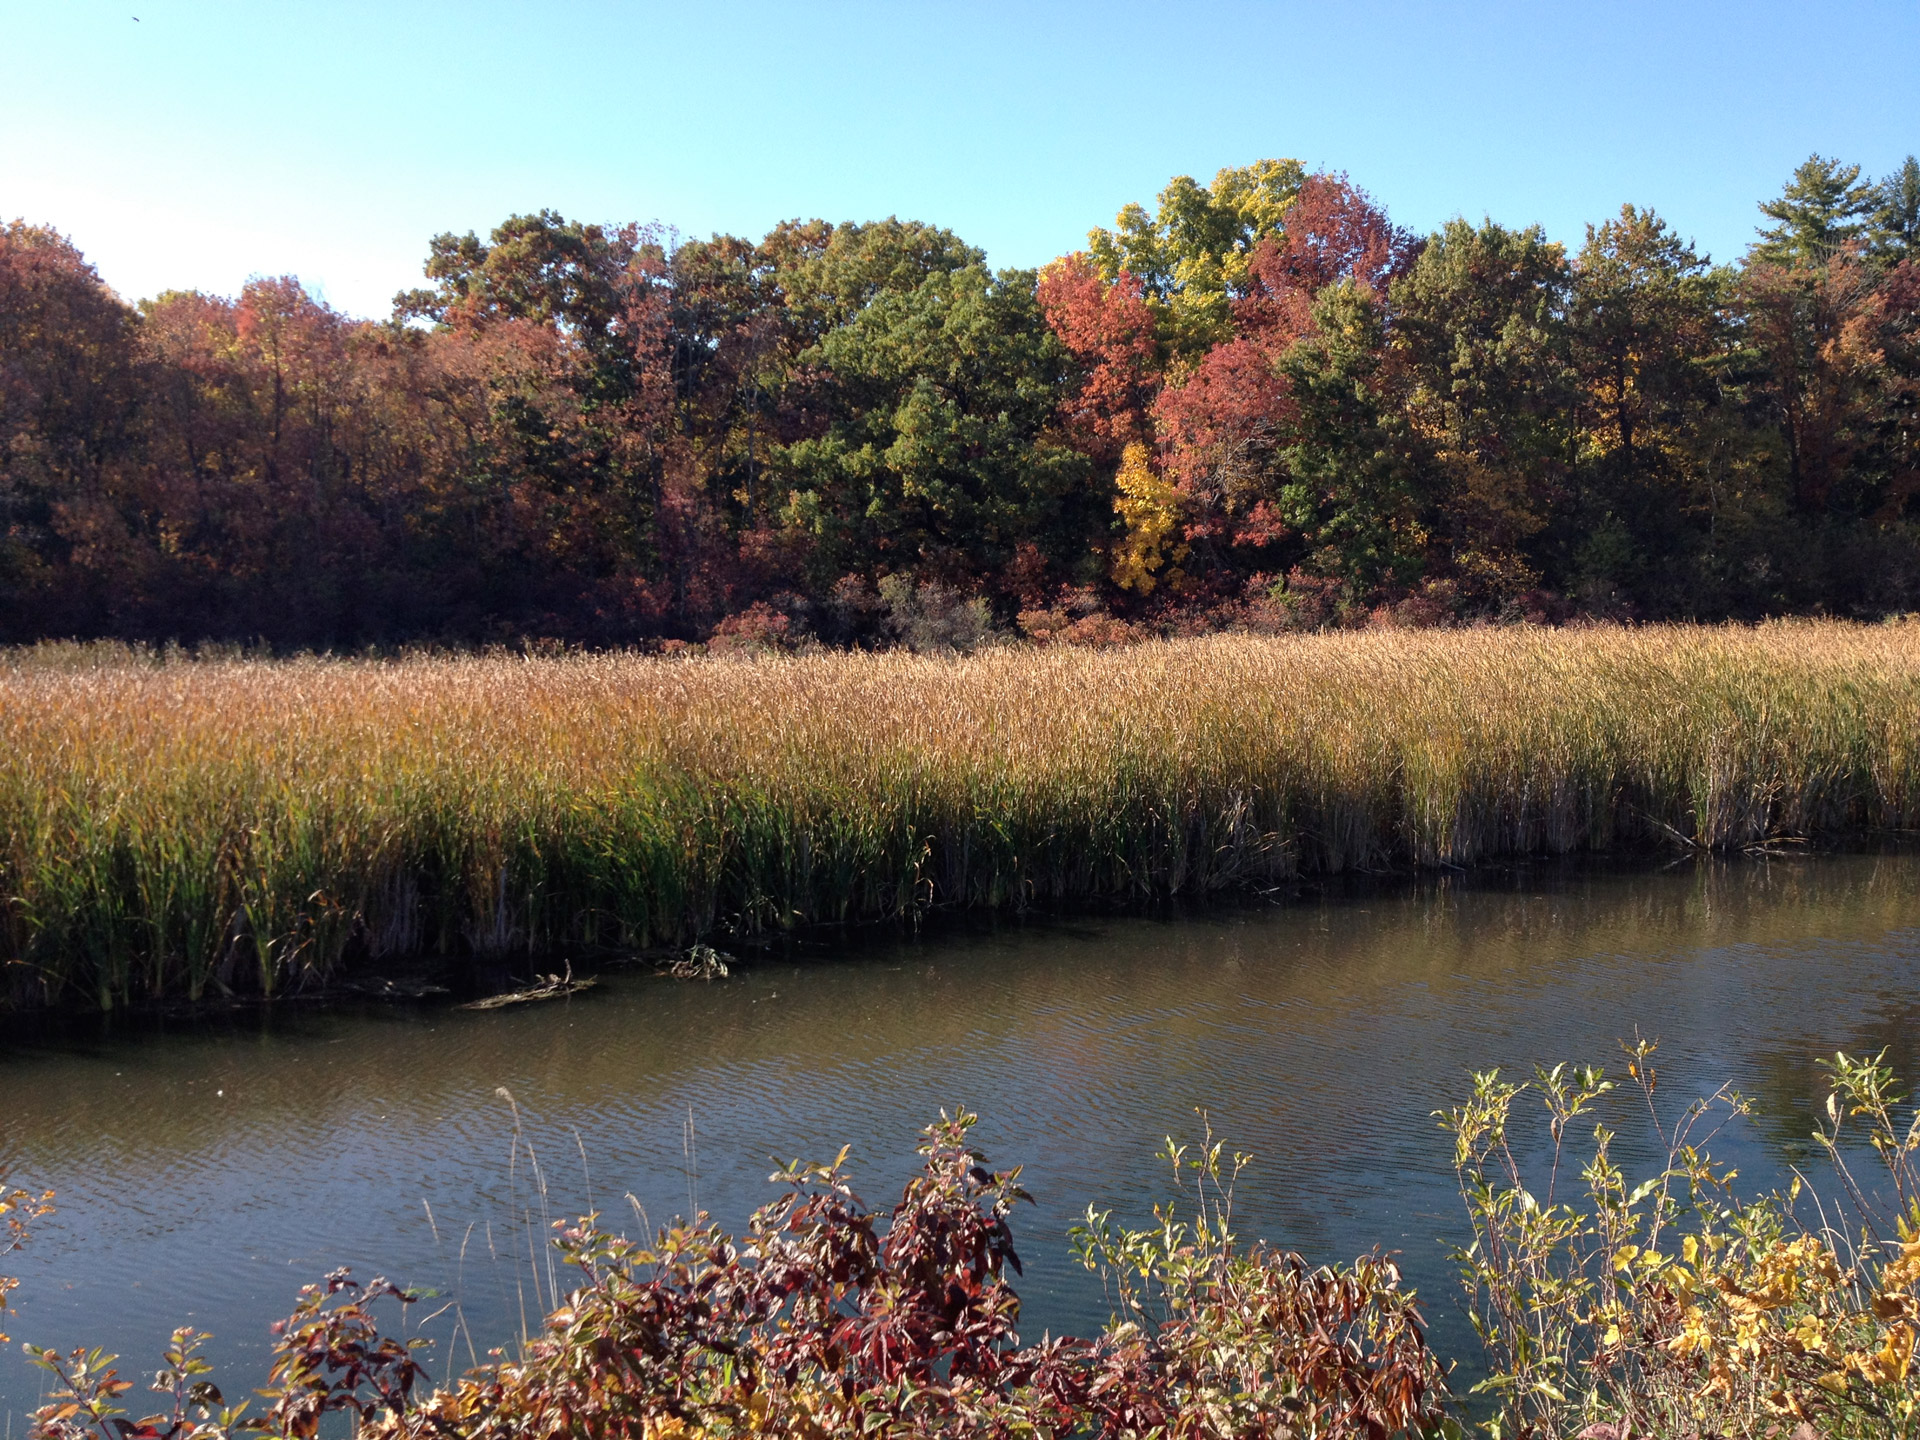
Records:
x=1897, y=222
x=1825, y=207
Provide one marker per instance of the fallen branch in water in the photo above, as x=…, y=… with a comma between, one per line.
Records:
x=701, y=962
x=547, y=987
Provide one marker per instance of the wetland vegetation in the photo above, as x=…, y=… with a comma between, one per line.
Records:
x=178, y=828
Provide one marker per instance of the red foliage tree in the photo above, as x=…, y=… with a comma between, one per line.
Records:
x=1334, y=232
x=1218, y=428
x=1110, y=330
x=70, y=392
x=1832, y=337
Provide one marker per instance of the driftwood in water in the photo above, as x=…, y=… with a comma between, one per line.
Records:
x=547, y=987
x=701, y=962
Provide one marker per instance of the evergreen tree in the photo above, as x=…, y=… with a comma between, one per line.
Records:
x=1897, y=222
x=1482, y=329
x=1825, y=207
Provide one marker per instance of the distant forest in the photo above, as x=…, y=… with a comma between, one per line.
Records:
x=1259, y=404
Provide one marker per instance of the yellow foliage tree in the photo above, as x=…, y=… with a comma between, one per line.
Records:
x=1150, y=505
x=1192, y=253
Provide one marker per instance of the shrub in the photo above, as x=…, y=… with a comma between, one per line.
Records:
x=822, y=1320
x=1077, y=618
x=933, y=618
x=1213, y=1337
x=758, y=627
x=18, y=1209
x=1671, y=1307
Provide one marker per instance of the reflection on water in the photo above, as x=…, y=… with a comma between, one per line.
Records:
x=204, y=1174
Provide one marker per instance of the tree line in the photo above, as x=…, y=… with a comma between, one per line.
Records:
x=1258, y=403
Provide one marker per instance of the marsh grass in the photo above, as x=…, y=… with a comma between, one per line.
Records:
x=173, y=827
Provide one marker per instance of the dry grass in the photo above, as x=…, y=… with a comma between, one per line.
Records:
x=171, y=825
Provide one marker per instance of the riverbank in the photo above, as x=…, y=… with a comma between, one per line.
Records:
x=176, y=828
x=829, y=1318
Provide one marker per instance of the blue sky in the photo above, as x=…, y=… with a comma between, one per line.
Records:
x=211, y=139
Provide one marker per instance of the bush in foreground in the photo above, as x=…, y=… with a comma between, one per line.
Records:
x=823, y=1319
x=1668, y=1309
x=1672, y=1307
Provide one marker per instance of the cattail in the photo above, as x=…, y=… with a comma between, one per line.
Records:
x=172, y=825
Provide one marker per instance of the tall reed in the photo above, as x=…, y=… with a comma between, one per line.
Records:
x=173, y=825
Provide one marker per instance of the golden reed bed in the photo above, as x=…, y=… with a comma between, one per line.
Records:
x=170, y=826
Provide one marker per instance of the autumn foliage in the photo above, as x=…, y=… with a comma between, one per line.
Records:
x=1262, y=392
x=826, y=1318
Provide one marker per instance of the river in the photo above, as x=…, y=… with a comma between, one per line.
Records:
x=207, y=1170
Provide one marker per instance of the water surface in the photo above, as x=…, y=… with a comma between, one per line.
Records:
x=205, y=1172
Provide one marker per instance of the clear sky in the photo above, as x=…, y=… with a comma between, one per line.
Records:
x=213, y=139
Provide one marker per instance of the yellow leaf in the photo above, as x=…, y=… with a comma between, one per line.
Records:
x=1151, y=508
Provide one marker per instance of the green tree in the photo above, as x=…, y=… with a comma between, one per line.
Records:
x=1351, y=488
x=733, y=345
x=1193, y=253
x=1825, y=208
x=940, y=387
x=540, y=267
x=567, y=323
x=1648, y=344
x=1481, y=324
x=826, y=280
x=1896, y=224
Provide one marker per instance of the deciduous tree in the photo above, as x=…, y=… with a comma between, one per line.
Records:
x=1352, y=488
x=1193, y=254
x=940, y=385
x=1649, y=335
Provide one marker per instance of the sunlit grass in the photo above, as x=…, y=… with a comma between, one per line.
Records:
x=173, y=825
